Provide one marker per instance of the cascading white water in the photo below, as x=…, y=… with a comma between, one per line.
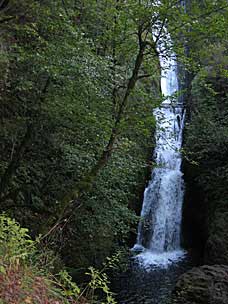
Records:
x=160, y=226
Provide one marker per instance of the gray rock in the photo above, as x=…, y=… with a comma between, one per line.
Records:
x=202, y=285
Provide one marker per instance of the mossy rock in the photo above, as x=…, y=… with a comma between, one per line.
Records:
x=202, y=285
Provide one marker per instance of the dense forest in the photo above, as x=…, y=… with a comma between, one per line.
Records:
x=79, y=82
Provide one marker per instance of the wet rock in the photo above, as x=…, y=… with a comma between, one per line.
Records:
x=202, y=285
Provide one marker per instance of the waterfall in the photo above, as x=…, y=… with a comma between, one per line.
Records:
x=160, y=225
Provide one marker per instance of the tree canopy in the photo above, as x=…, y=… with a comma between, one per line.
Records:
x=79, y=82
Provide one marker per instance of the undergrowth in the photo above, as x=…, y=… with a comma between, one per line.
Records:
x=25, y=279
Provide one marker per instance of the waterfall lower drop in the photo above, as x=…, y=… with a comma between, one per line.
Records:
x=159, y=229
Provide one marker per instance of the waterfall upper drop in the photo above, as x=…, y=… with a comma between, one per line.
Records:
x=160, y=225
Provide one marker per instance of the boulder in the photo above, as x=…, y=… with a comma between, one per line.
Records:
x=202, y=285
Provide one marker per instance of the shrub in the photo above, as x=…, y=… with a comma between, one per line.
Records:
x=24, y=281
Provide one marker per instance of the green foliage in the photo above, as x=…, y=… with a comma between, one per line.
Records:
x=99, y=281
x=15, y=243
x=23, y=282
x=66, y=59
x=70, y=287
x=66, y=68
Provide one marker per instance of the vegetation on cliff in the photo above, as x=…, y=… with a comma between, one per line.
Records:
x=207, y=145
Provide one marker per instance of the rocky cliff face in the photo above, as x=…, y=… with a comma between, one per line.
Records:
x=205, y=213
x=202, y=285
